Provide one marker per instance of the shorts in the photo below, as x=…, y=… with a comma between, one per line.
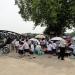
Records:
x=27, y=50
x=20, y=52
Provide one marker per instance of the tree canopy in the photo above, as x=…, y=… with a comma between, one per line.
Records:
x=56, y=15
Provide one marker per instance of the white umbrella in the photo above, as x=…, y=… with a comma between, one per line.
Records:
x=61, y=40
x=35, y=40
x=73, y=38
x=40, y=36
x=57, y=38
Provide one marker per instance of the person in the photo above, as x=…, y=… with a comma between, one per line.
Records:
x=54, y=46
x=16, y=45
x=38, y=49
x=43, y=43
x=13, y=44
x=26, y=47
x=20, y=48
x=22, y=40
x=62, y=47
x=32, y=47
x=29, y=42
x=32, y=50
x=49, y=48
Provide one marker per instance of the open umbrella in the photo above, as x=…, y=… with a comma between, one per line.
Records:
x=40, y=36
x=61, y=40
x=57, y=38
x=35, y=40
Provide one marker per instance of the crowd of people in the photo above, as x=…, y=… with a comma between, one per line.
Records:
x=43, y=46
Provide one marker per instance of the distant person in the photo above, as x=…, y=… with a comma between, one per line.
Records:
x=49, y=48
x=54, y=46
x=62, y=46
x=32, y=49
x=43, y=43
x=16, y=45
x=38, y=49
x=20, y=48
x=13, y=44
x=23, y=40
x=26, y=47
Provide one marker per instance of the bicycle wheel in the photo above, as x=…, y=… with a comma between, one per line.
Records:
x=6, y=50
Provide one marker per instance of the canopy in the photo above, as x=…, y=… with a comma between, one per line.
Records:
x=40, y=36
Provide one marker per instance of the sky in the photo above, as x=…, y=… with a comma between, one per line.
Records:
x=12, y=21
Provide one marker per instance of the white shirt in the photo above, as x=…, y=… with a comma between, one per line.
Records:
x=26, y=45
x=54, y=45
x=32, y=47
x=21, y=47
x=49, y=47
x=62, y=43
x=42, y=42
x=29, y=42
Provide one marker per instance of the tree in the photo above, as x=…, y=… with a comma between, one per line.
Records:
x=56, y=15
x=66, y=14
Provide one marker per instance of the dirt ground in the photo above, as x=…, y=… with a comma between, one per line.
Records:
x=41, y=65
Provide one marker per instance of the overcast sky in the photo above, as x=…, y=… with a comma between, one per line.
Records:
x=12, y=21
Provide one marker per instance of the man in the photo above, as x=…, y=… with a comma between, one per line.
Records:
x=62, y=46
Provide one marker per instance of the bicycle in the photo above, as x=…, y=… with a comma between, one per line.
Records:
x=4, y=50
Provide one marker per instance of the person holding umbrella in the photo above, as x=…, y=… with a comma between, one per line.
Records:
x=62, y=47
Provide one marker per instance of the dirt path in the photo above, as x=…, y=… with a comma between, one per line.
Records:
x=41, y=65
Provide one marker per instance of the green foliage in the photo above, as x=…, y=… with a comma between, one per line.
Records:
x=57, y=15
x=72, y=34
